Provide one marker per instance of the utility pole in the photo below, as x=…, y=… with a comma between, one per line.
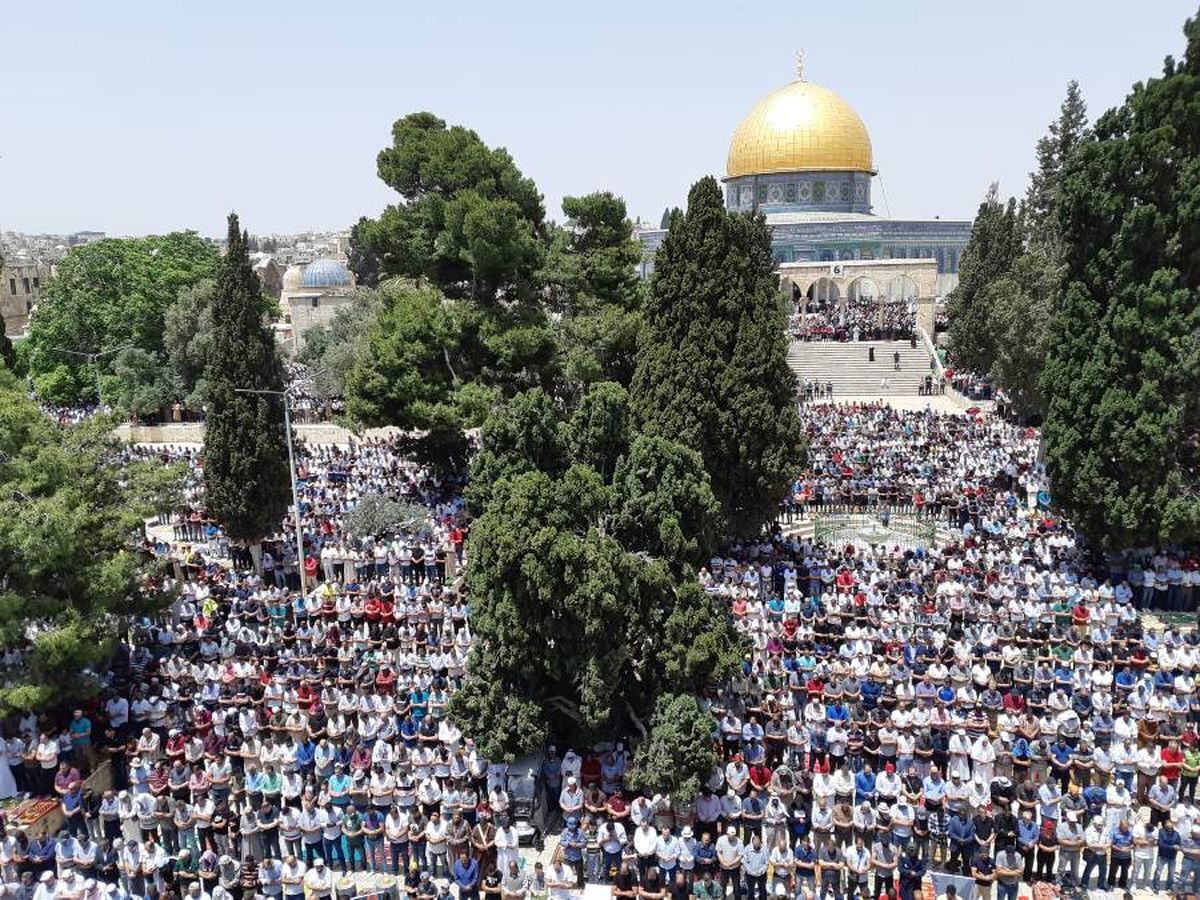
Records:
x=287, y=426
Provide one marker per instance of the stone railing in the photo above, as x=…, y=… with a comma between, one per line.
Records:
x=193, y=433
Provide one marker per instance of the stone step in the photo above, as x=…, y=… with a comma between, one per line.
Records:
x=847, y=366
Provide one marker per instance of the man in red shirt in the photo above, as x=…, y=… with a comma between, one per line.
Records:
x=760, y=776
x=1172, y=761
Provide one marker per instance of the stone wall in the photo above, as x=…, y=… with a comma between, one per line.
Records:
x=20, y=289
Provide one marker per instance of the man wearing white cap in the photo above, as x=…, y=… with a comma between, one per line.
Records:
x=318, y=881
x=570, y=800
x=70, y=886
x=1071, y=842
x=729, y=858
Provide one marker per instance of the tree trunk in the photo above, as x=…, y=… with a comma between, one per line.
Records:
x=256, y=555
x=637, y=723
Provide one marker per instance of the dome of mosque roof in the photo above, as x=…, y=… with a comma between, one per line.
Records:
x=326, y=273
x=800, y=127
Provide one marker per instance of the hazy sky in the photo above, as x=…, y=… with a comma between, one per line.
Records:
x=132, y=116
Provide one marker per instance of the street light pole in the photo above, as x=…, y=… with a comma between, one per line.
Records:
x=287, y=427
x=92, y=358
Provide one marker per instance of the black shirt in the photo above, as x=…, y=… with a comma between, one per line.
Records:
x=984, y=827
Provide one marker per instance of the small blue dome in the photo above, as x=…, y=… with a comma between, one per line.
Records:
x=325, y=273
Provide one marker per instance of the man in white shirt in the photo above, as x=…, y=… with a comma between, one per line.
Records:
x=612, y=838
x=645, y=844
x=570, y=799
x=729, y=857
x=318, y=881
x=292, y=876
x=117, y=710
x=560, y=879
x=507, y=849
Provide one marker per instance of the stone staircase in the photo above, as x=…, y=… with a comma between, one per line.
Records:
x=853, y=375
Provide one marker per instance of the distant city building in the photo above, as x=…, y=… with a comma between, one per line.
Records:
x=85, y=237
x=21, y=283
x=269, y=273
x=802, y=157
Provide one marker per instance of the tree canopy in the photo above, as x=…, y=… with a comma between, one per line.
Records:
x=679, y=755
x=712, y=371
x=376, y=515
x=465, y=325
x=188, y=336
x=246, y=475
x=563, y=558
x=470, y=222
x=994, y=245
x=68, y=514
x=1011, y=273
x=591, y=278
x=107, y=295
x=1122, y=427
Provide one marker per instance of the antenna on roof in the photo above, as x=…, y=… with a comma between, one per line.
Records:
x=800, y=64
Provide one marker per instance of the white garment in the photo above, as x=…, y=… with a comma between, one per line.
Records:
x=8, y=784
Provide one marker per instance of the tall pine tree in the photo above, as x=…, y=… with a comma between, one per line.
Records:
x=246, y=475
x=712, y=370
x=991, y=250
x=1042, y=227
x=1122, y=427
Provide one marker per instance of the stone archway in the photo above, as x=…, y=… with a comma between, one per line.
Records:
x=824, y=292
x=910, y=281
x=862, y=289
x=902, y=289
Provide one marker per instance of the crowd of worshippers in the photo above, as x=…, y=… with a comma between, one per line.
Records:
x=995, y=707
x=863, y=319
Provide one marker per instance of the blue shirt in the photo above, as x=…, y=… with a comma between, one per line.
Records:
x=572, y=843
x=960, y=831
x=1027, y=832
x=466, y=876
x=934, y=790
x=864, y=783
x=1168, y=843
x=1122, y=840
x=305, y=753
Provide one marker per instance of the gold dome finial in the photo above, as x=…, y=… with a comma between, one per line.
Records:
x=799, y=65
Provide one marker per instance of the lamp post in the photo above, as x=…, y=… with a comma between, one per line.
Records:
x=92, y=357
x=287, y=427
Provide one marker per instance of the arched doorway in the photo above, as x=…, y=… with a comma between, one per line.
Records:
x=824, y=294
x=902, y=289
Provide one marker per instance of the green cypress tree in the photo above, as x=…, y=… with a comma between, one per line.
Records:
x=1122, y=426
x=991, y=250
x=246, y=475
x=712, y=370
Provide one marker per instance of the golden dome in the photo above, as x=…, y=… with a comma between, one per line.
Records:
x=801, y=127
